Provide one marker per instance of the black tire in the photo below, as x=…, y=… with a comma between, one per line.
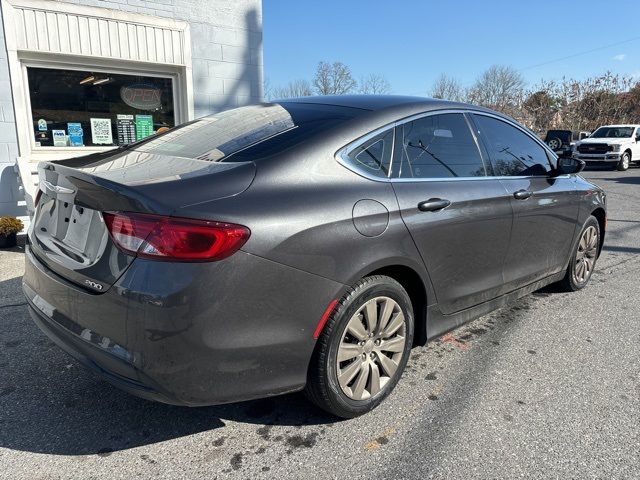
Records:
x=624, y=162
x=323, y=387
x=572, y=281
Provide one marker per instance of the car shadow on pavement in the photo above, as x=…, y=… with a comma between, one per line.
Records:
x=627, y=180
x=622, y=249
x=627, y=177
x=50, y=404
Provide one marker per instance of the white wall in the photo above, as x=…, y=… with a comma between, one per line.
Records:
x=10, y=196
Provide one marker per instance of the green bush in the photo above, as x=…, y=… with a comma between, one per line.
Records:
x=10, y=225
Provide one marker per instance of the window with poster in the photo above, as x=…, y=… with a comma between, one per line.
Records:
x=81, y=108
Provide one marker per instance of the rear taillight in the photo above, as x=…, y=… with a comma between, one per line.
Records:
x=173, y=238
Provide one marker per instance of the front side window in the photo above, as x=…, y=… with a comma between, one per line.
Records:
x=75, y=108
x=439, y=146
x=374, y=155
x=512, y=152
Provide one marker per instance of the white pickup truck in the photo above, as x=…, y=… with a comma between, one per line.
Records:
x=615, y=144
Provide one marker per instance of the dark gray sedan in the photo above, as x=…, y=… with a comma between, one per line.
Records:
x=303, y=244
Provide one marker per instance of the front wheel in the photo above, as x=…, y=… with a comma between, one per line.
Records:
x=583, y=258
x=363, y=348
x=624, y=162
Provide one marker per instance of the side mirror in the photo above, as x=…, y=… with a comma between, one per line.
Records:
x=638, y=138
x=568, y=166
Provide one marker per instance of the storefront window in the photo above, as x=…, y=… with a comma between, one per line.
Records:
x=72, y=108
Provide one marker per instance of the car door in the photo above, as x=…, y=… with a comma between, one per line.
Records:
x=545, y=207
x=635, y=145
x=459, y=218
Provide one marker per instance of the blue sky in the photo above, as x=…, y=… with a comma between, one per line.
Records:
x=412, y=42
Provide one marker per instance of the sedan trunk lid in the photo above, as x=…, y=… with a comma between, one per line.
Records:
x=68, y=233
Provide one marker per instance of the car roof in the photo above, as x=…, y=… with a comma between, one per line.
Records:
x=377, y=102
x=633, y=125
x=383, y=109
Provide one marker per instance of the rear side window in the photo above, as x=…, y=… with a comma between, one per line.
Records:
x=512, y=152
x=439, y=146
x=373, y=156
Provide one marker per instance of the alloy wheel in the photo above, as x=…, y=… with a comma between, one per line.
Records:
x=371, y=348
x=586, y=255
x=625, y=161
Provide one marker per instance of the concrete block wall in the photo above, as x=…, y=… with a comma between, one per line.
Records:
x=11, y=199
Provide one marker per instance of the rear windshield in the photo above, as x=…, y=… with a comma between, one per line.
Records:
x=273, y=126
x=563, y=135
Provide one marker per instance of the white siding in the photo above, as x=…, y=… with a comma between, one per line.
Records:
x=44, y=30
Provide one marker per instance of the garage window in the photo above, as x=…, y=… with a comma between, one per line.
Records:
x=82, y=108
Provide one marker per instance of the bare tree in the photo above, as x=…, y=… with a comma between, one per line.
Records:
x=267, y=89
x=333, y=79
x=594, y=101
x=541, y=107
x=566, y=103
x=293, y=89
x=501, y=88
x=374, y=84
x=448, y=88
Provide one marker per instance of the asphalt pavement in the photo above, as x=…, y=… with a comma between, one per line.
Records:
x=548, y=387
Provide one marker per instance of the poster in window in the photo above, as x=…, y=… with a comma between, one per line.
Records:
x=59, y=138
x=43, y=139
x=101, y=131
x=126, y=128
x=76, y=134
x=144, y=126
x=42, y=125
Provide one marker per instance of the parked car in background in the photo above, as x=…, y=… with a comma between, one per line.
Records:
x=302, y=244
x=617, y=145
x=562, y=141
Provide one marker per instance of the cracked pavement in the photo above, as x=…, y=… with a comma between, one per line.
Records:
x=548, y=387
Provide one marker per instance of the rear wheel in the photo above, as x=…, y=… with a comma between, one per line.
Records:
x=363, y=348
x=624, y=162
x=583, y=258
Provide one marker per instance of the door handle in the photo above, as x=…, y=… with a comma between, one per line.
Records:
x=522, y=194
x=433, y=204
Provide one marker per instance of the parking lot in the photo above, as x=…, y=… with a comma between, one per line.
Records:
x=547, y=387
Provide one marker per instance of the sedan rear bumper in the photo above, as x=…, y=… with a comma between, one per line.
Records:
x=188, y=334
x=111, y=368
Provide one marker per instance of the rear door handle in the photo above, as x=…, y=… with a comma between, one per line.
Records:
x=522, y=194
x=433, y=204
